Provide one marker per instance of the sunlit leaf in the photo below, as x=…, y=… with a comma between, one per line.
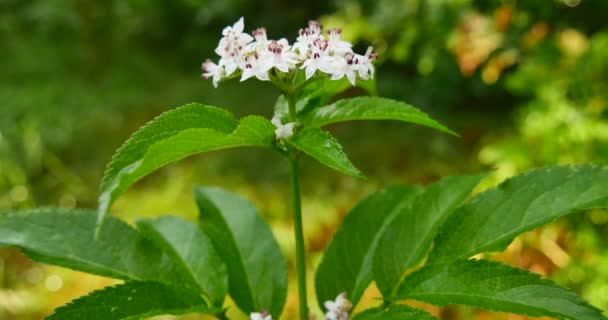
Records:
x=394, y=312
x=173, y=135
x=494, y=218
x=370, y=108
x=494, y=286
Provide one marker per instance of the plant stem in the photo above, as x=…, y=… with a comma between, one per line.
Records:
x=297, y=217
x=299, y=234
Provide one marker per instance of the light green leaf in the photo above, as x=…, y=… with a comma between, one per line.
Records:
x=495, y=286
x=370, y=108
x=132, y=300
x=192, y=254
x=394, y=312
x=347, y=263
x=408, y=237
x=494, y=218
x=257, y=271
x=173, y=135
x=323, y=146
x=65, y=238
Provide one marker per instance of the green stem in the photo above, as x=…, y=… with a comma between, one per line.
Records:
x=299, y=234
x=297, y=218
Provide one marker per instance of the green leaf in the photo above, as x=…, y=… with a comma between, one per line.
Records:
x=495, y=286
x=132, y=300
x=324, y=147
x=257, y=271
x=191, y=252
x=494, y=218
x=370, y=108
x=318, y=93
x=394, y=312
x=64, y=237
x=173, y=135
x=347, y=263
x=408, y=237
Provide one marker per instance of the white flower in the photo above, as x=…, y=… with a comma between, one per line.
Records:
x=283, y=131
x=260, y=35
x=231, y=46
x=305, y=39
x=260, y=316
x=283, y=59
x=336, y=45
x=318, y=59
x=338, y=309
x=211, y=70
x=365, y=66
x=338, y=67
x=256, y=66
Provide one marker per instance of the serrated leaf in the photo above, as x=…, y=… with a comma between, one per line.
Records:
x=192, y=253
x=64, y=237
x=325, y=148
x=495, y=286
x=132, y=300
x=257, y=271
x=347, y=262
x=370, y=108
x=176, y=134
x=494, y=218
x=318, y=93
x=394, y=312
x=407, y=238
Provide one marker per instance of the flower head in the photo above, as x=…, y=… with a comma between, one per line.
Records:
x=263, y=315
x=254, y=55
x=338, y=309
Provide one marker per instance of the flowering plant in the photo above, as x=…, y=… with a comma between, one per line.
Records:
x=414, y=242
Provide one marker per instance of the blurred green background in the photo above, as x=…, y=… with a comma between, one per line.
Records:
x=524, y=82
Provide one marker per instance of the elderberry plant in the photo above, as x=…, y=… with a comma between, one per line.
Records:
x=413, y=242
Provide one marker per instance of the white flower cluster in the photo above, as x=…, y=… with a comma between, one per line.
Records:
x=255, y=56
x=338, y=309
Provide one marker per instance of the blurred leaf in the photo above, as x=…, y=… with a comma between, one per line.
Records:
x=132, y=300
x=347, y=262
x=326, y=149
x=494, y=218
x=494, y=286
x=175, y=134
x=64, y=238
x=407, y=238
x=394, y=312
x=256, y=267
x=370, y=108
x=192, y=254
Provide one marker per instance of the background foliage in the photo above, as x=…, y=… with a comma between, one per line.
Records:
x=523, y=82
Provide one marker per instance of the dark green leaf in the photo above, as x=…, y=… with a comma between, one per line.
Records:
x=132, y=300
x=394, y=312
x=65, y=238
x=408, y=236
x=324, y=147
x=192, y=254
x=347, y=263
x=495, y=286
x=370, y=108
x=494, y=218
x=174, y=135
x=256, y=267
